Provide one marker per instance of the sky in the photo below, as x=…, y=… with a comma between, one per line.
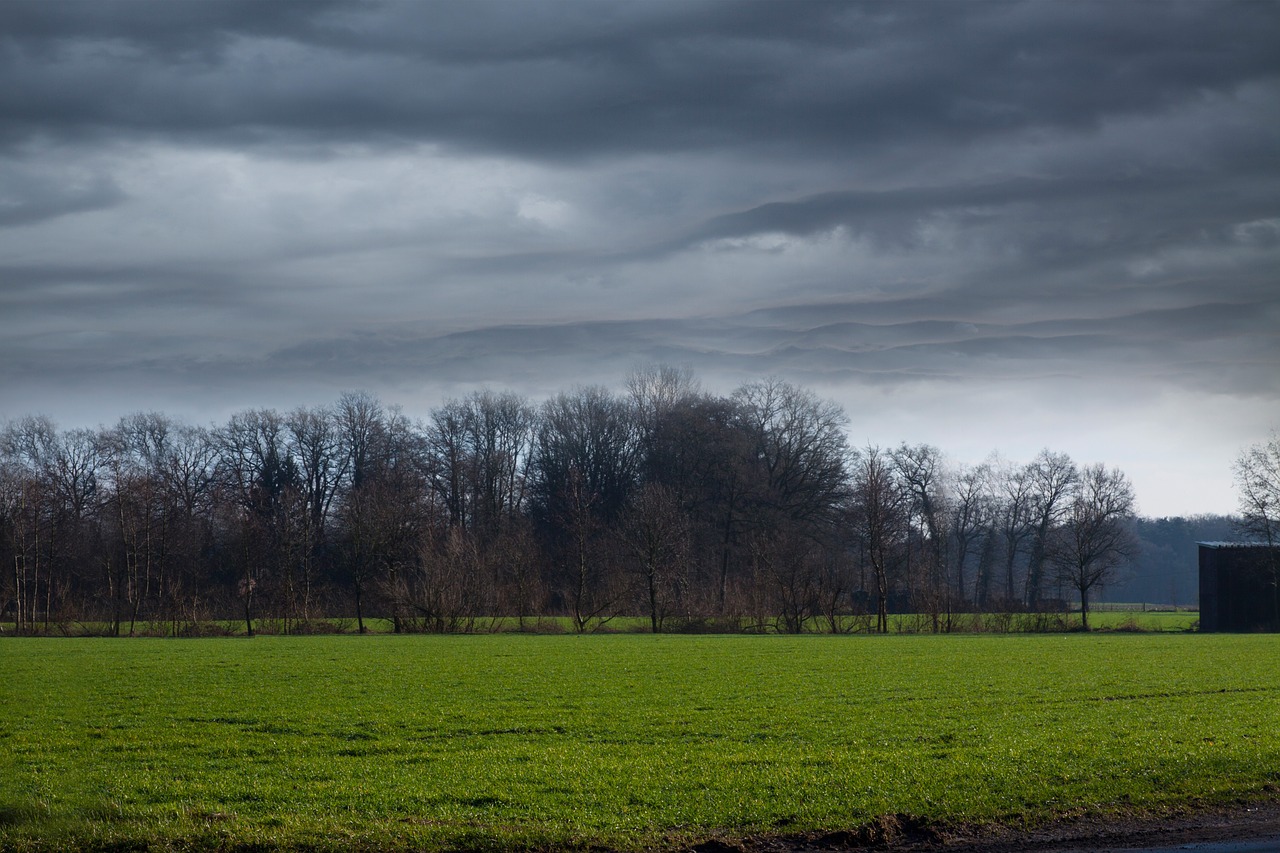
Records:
x=983, y=226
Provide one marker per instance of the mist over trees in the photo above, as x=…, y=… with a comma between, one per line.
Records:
x=695, y=511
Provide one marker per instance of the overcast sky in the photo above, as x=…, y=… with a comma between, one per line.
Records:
x=985, y=226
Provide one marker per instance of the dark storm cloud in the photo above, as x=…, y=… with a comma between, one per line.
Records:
x=164, y=29
x=890, y=213
x=560, y=80
x=259, y=201
x=123, y=288
x=26, y=200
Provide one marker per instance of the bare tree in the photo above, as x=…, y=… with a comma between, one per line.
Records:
x=262, y=482
x=499, y=429
x=387, y=513
x=919, y=469
x=701, y=453
x=583, y=470
x=137, y=498
x=880, y=513
x=656, y=532
x=361, y=421
x=972, y=518
x=479, y=448
x=790, y=565
x=515, y=558
x=797, y=484
x=1052, y=476
x=188, y=471
x=314, y=442
x=362, y=424
x=56, y=513
x=440, y=592
x=592, y=591
x=801, y=447
x=27, y=513
x=1096, y=535
x=1013, y=492
x=657, y=391
x=585, y=440
x=1257, y=475
x=450, y=468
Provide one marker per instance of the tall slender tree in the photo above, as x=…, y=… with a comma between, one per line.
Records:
x=1095, y=537
x=1257, y=476
x=879, y=516
x=1052, y=476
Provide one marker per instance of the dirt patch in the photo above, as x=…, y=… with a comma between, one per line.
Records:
x=1234, y=822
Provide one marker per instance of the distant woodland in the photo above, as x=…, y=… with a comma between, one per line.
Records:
x=695, y=511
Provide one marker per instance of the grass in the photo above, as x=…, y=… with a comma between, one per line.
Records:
x=1151, y=620
x=513, y=741
x=1134, y=619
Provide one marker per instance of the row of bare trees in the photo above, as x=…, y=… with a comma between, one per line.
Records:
x=749, y=511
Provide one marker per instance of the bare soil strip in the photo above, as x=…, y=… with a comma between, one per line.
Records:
x=1241, y=827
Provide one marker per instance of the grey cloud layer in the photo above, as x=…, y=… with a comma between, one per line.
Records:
x=268, y=197
x=572, y=79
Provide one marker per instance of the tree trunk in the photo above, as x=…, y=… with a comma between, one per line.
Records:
x=724, y=559
x=653, y=601
x=1035, y=568
x=882, y=596
x=248, y=614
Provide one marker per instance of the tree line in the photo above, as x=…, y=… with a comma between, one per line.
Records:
x=746, y=511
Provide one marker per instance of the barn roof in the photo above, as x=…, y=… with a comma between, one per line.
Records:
x=1233, y=545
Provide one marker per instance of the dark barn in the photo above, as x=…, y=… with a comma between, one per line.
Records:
x=1238, y=590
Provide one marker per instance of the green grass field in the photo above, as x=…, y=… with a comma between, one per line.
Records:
x=513, y=741
x=1129, y=620
x=1151, y=620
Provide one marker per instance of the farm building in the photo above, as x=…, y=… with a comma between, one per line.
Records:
x=1238, y=589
